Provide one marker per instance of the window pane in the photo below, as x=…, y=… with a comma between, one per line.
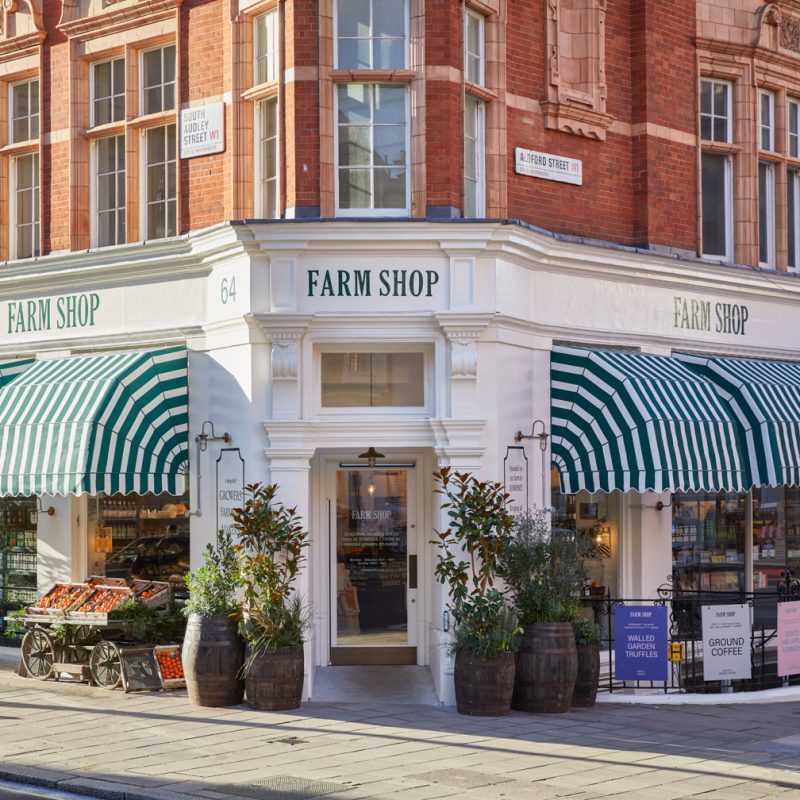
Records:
x=705, y=128
x=388, y=18
x=152, y=68
x=155, y=221
x=102, y=80
x=106, y=192
x=106, y=228
x=364, y=380
x=169, y=132
x=354, y=188
x=791, y=217
x=271, y=199
x=269, y=118
x=765, y=216
x=169, y=64
x=152, y=100
x=715, y=204
x=33, y=107
x=102, y=111
x=705, y=97
x=156, y=183
x=119, y=75
x=354, y=54
x=389, y=54
x=390, y=104
x=172, y=227
x=390, y=188
x=721, y=100
x=169, y=96
x=25, y=172
x=470, y=199
x=352, y=18
x=155, y=145
x=106, y=154
x=390, y=145
x=20, y=100
x=354, y=103
x=24, y=241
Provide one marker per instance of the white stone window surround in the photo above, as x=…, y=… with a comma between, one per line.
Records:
x=354, y=345
x=372, y=211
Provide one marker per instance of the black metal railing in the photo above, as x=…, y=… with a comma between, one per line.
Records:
x=685, y=627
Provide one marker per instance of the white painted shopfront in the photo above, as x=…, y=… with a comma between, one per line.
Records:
x=283, y=321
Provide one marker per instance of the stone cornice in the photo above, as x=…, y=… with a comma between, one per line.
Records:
x=117, y=18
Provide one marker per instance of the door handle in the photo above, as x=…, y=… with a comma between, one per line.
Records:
x=412, y=572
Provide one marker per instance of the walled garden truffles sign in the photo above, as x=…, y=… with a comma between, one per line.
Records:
x=548, y=166
x=726, y=642
x=640, y=643
x=202, y=130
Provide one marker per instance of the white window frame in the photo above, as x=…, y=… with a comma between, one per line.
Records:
x=793, y=110
x=729, y=118
x=771, y=226
x=480, y=158
x=728, y=211
x=143, y=232
x=406, y=28
x=481, y=55
x=94, y=194
x=141, y=87
x=38, y=114
x=369, y=346
x=270, y=56
x=14, y=255
x=258, y=200
x=766, y=127
x=373, y=212
x=93, y=98
x=793, y=186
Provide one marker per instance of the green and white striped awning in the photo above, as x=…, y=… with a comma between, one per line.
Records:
x=9, y=370
x=765, y=399
x=624, y=420
x=100, y=423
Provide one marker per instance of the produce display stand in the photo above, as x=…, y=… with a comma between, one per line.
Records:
x=71, y=629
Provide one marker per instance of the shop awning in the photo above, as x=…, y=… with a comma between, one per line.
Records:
x=9, y=370
x=765, y=399
x=624, y=420
x=101, y=423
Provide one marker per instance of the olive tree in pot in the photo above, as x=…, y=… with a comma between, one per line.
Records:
x=213, y=651
x=544, y=572
x=485, y=627
x=587, y=642
x=270, y=553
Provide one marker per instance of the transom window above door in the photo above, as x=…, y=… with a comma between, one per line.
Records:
x=373, y=380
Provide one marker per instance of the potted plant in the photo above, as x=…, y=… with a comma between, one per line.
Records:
x=485, y=627
x=213, y=651
x=544, y=571
x=270, y=553
x=587, y=645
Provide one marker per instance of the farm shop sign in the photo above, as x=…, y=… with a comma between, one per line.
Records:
x=372, y=283
x=548, y=166
x=703, y=315
x=52, y=313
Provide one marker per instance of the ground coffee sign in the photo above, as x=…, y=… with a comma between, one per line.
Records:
x=67, y=312
x=726, y=642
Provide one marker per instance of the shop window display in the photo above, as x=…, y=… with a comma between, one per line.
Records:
x=18, y=558
x=140, y=536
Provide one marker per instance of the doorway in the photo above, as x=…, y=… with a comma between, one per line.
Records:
x=374, y=576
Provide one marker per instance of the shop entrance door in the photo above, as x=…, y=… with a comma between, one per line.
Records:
x=374, y=567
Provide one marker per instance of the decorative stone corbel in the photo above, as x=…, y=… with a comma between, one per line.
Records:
x=285, y=354
x=463, y=353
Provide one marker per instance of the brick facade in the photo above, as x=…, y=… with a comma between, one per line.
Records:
x=632, y=65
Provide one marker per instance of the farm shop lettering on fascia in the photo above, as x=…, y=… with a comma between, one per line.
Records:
x=360, y=283
x=47, y=313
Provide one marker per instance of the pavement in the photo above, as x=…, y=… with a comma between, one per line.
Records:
x=156, y=746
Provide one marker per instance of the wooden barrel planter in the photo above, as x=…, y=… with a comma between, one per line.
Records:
x=585, y=694
x=547, y=665
x=213, y=654
x=484, y=685
x=274, y=679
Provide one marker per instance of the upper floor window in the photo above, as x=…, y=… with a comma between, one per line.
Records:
x=108, y=91
x=766, y=120
x=109, y=191
x=473, y=47
x=160, y=190
x=24, y=112
x=717, y=188
x=474, y=158
x=716, y=111
x=766, y=215
x=267, y=159
x=793, y=129
x=371, y=34
x=25, y=206
x=372, y=158
x=158, y=80
x=266, y=48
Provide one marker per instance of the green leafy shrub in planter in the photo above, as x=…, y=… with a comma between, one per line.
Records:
x=480, y=529
x=212, y=587
x=586, y=631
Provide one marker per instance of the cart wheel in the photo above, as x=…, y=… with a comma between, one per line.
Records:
x=105, y=666
x=38, y=654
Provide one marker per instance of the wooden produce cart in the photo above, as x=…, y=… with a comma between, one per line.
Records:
x=72, y=629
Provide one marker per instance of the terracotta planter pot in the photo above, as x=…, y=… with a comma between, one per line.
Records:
x=274, y=680
x=484, y=685
x=547, y=665
x=213, y=654
x=585, y=693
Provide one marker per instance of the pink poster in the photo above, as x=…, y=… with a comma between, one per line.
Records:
x=789, y=638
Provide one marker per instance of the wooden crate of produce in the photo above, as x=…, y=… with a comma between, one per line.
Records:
x=156, y=594
x=170, y=666
x=102, y=580
x=62, y=598
x=103, y=599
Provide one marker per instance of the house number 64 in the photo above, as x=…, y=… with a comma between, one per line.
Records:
x=227, y=290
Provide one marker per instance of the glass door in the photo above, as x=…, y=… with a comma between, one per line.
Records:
x=374, y=570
